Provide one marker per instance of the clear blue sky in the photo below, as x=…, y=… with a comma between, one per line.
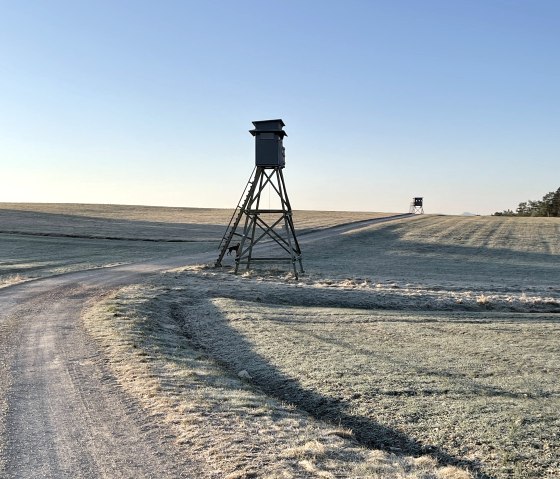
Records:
x=138, y=102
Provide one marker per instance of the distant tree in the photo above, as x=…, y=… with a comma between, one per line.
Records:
x=536, y=208
x=522, y=209
x=548, y=206
x=555, y=204
x=504, y=213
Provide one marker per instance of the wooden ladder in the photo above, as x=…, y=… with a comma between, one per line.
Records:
x=230, y=232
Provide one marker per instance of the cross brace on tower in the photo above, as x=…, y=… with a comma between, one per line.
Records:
x=263, y=229
x=261, y=225
x=417, y=205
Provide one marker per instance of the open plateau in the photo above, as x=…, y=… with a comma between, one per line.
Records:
x=413, y=346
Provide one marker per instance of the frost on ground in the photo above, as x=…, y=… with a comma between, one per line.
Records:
x=469, y=389
x=38, y=240
x=372, y=294
x=143, y=222
x=216, y=409
x=11, y=279
x=472, y=253
x=28, y=257
x=434, y=338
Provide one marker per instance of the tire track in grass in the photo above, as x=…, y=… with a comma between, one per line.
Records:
x=471, y=388
x=207, y=328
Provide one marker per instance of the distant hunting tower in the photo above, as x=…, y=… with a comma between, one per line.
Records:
x=263, y=227
x=417, y=205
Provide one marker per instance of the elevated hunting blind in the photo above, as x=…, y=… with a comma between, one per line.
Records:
x=417, y=205
x=268, y=234
x=269, y=150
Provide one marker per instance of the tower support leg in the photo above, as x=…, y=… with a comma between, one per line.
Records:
x=264, y=226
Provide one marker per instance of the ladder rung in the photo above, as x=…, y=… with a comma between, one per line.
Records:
x=256, y=212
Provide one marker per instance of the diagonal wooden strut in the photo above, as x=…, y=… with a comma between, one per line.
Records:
x=263, y=226
x=231, y=229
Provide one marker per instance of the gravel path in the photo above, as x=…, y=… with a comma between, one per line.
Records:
x=63, y=414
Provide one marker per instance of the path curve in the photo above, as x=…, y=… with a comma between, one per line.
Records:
x=62, y=413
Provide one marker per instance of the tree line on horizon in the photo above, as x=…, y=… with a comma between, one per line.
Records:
x=548, y=206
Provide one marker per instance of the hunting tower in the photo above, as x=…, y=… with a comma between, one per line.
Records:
x=257, y=231
x=417, y=205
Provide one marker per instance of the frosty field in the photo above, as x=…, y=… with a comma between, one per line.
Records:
x=424, y=347
x=43, y=239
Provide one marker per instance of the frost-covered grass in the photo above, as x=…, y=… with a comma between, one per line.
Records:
x=434, y=337
x=10, y=279
x=108, y=221
x=220, y=413
x=476, y=389
x=143, y=222
x=26, y=257
x=498, y=253
x=420, y=348
x=42, y=239
x=38, y=240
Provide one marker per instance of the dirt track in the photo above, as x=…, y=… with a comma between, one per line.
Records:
x=61, y=412
x=65, y=415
